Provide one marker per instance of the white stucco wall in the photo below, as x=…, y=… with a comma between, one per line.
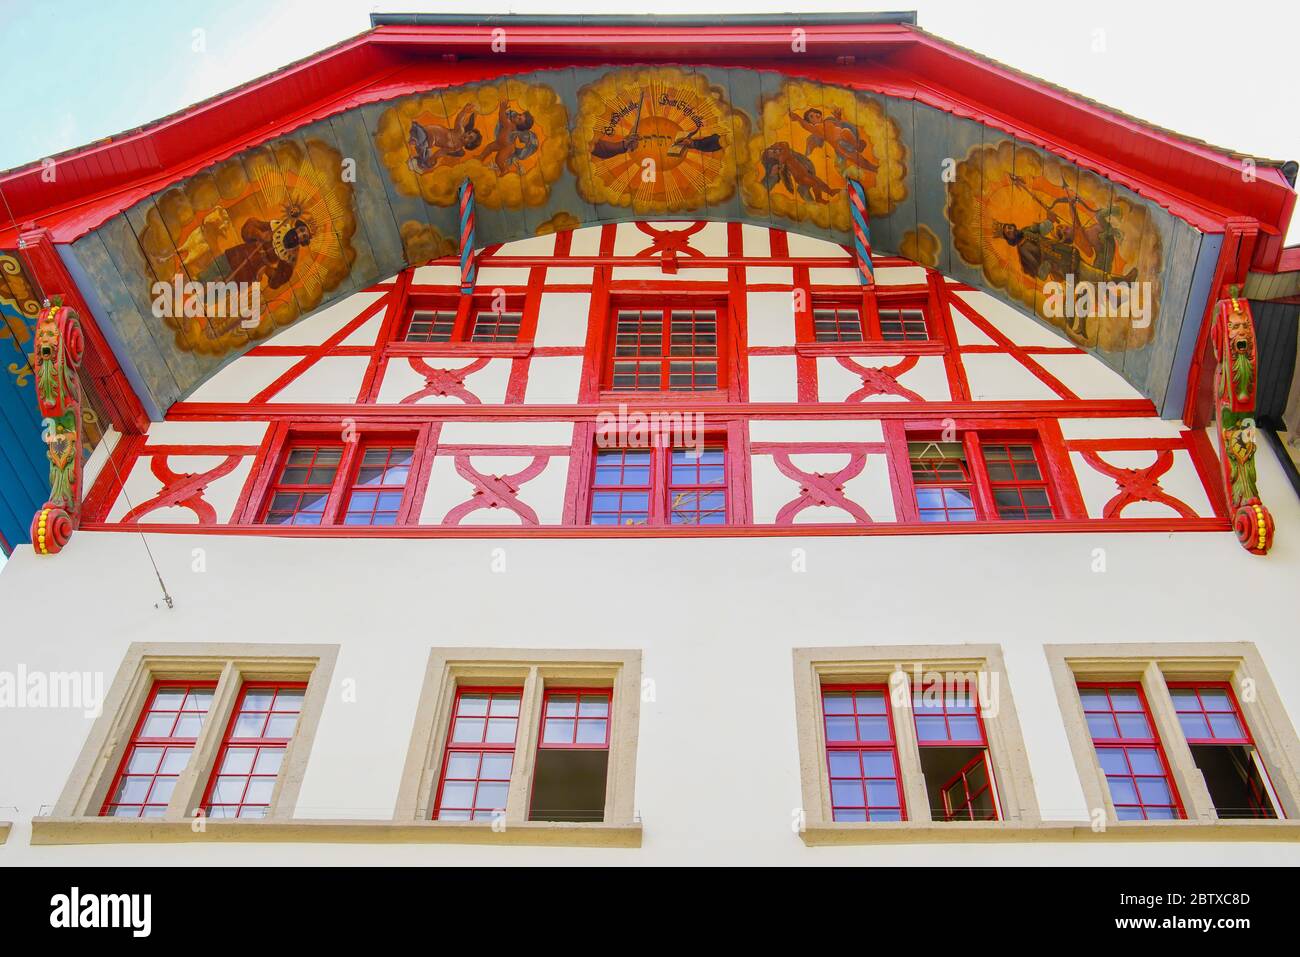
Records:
x=717, y=768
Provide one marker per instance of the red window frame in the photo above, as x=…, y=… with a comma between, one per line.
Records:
x=578, y=721
x=665, y=473
x=666, y=303
x=166, y=744
x=872, y=309
x=262, y=743
x=977, y=481
x=346, y=481
x=1121, y=765
x=839, y=765
x=465, y=311
x=455, y=750
x=1263, y=803
x=968, y=716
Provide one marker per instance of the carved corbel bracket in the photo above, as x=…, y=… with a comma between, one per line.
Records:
x=55, y=364
x=1235, y=379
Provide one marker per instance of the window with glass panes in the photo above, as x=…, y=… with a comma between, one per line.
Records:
x=665, y=350
x=954, y=753
x=159, y=749
x=656, y=486
x=1222, y=748
x=491, y=326
x=902, y=322
x=861, y=755
x=577, y=718
x=480, y=754
x=431, y=325
x=942, y=482
x=1017, y=482
x=1129, y=751
x=837, y=323
x=375, y=496
x=302, y=488
x=263, y=723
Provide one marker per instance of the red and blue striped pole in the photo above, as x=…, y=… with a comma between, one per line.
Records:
x=861, y=233
x=468, y=264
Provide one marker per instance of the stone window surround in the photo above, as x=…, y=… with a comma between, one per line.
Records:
x=230, y=665
x=1153, y=664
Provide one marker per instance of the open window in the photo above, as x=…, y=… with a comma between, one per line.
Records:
x=572, y=766
x=1223, y=750
x=979, y=477
x=954, y=754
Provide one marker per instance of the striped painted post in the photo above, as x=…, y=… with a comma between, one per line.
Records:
x=861, y=233
x=468, y=264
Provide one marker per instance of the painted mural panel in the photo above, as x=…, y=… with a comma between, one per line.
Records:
x=553, y=150
x=1026, y=219
x=813, y=139
x=280, y=216
x=656, y=141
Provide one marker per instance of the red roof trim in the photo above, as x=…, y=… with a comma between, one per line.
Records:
x=1193, y=180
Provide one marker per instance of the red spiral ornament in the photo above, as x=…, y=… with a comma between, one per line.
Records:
x=51, y=529
x=1253, y=524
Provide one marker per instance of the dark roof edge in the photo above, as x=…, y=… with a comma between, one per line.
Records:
x=640, y=20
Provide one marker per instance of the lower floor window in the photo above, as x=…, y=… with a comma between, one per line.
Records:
x=860, y=754
x=253, y=750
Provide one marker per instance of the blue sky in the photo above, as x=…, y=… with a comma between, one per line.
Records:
x=77, y=70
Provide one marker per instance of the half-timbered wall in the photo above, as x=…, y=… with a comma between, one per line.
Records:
x=816, y=433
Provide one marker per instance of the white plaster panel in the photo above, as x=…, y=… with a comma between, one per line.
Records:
x=489, y=276
x=142, y=485
x=570, y=275
x=562, y=319
x=834, y=276
x=367, y=333
x=328, y=380
x=1000, y=376
x=773, y=489
x=585, y=242
x=816, y=430
x=1087, y=376
x=1011, y=322
x=506, y=433
x=532, y=246
x=807, y=247
x=900, y=275
x=319, y=326
x=553, y=379
x=436, y=276
x=655, y=274
x=764, y=275
x=1181, y=481
x=928, y=379
x=488, y=384
x=755, y=241
x=773, y=379
x=240, y=380
x=1121, y=428
x=207, y=433
x=770, y=318
x=969, y=334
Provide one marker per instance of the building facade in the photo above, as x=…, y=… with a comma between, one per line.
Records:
x=736, y=450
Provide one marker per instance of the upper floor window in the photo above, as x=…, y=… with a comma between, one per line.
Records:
x=480, y=755
x=954, y=754
x=666, y=349
x=659, y=486
x=160, y=748
x=365, y=482
x=1223, y=749
x=1129, y=751
x=861, y=755
x=452, y=319
x=841, y=318
x=979, y=478
x=252, y=752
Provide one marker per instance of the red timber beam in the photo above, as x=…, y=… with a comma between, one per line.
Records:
x=111, y=387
